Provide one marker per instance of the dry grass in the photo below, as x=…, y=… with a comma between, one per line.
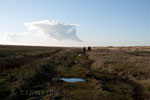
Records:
x=130, y=62
x=116, y=73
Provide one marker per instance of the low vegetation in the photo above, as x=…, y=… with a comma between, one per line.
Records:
x=124, y=70
x=33, y=73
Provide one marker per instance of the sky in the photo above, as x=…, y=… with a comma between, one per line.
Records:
x=75, y=22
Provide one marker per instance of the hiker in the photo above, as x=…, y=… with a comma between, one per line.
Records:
x=89, y=48
x=84, y=50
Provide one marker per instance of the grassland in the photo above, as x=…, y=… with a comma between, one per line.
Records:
x=111, y=73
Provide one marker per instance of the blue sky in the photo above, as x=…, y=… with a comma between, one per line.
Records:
x=99, y=22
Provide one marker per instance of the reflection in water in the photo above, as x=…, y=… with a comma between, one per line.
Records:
x=72, y=79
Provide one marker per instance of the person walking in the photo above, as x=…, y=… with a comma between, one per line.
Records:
x=89, y=48
x=84, y=50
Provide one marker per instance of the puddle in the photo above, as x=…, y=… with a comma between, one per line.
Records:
x=72, y=79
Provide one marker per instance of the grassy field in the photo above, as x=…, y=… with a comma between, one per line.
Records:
x=111, y=73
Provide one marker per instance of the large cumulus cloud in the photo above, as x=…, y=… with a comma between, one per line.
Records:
x=54, y=29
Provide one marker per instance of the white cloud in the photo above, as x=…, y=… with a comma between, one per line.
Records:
x=46, y=33
x=54, y=29
x=33, y=38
